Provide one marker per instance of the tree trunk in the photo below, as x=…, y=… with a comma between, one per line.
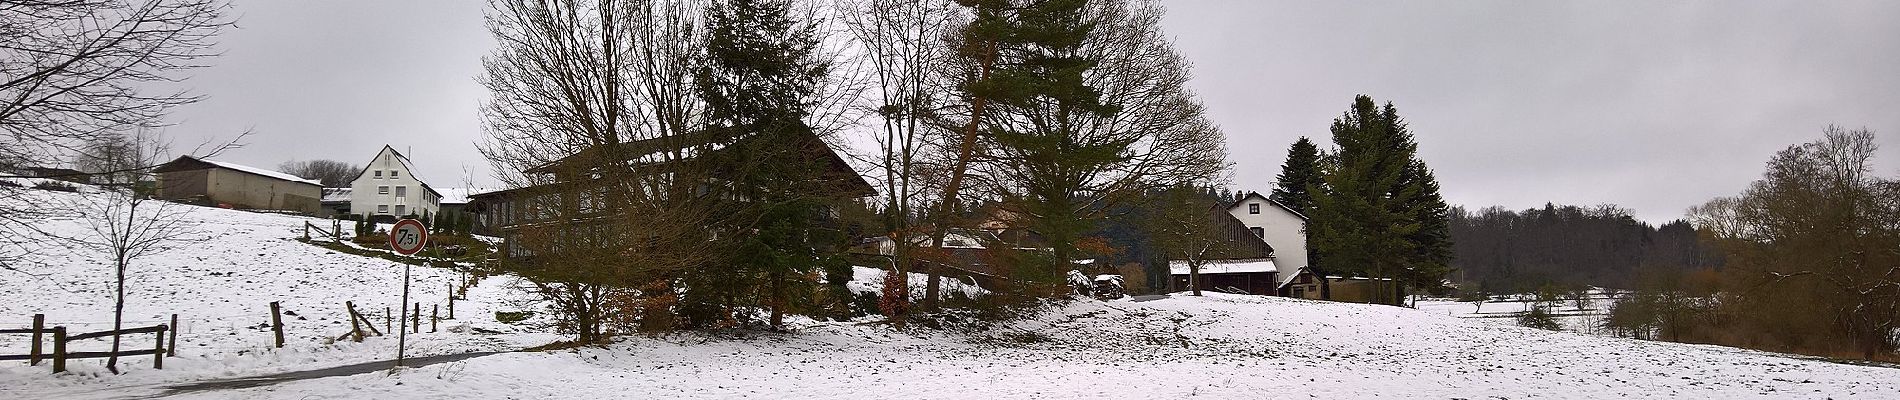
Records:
x=778, y=301
x=1194, y=277
x=118, y=312
x=964, y=150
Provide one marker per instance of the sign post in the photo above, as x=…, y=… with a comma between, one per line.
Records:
x=406, y=238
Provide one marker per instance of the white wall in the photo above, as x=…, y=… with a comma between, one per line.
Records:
x=366, y=195
x=1282, y=229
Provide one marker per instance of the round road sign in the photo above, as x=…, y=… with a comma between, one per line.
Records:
x=408, y=236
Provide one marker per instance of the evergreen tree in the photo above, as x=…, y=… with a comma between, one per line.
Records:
x=1368, y=219
x=1299, y=177
x=1431, y=258
x=758, y=77
x=1041, y=68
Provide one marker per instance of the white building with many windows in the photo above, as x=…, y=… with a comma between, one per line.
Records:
x=389, y=186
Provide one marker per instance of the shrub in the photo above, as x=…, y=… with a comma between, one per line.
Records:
x=510, y=317
x=1538, y=317
x=56, y=186
x=864, y=303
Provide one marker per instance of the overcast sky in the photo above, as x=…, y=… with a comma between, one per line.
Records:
x=1656, y=106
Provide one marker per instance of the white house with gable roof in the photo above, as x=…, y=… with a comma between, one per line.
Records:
x=1281, y=227
x=389, y=186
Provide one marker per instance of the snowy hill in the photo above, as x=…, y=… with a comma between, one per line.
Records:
x=1219, y=346
x=220, y=279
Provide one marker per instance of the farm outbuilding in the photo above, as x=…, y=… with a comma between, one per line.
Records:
x=217, y=183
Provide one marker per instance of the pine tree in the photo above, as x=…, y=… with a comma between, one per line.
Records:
x=1041, y=68
x=1299, y=177
x=1364, y=222
x=758, y=76
x=1430, y=259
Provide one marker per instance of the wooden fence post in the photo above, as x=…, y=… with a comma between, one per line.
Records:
x=306, y=231
x=59, y=349
x=356, y=328
x=39, y=322
x=277, y=324
x=415, y=319
x=158, y=347
x=171, y=346
x=434, y=317
x=451, y=301
x=386, y=319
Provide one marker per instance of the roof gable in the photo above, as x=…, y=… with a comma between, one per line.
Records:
x=1275, y=203
x=406, y=166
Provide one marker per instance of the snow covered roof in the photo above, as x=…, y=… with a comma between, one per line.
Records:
x=185, y=163
x=337, y=195
x=460, y=195
x=1241, y=200
x=264, y=172
x=1180, y=267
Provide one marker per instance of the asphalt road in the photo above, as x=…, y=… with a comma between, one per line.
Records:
x=347, y=370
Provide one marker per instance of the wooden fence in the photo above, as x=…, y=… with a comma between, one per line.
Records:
x=59, y=355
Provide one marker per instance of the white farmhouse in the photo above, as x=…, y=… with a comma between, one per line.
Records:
x=1282, y=228
x=389, y=186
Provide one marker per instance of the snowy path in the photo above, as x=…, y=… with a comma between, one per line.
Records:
x=346, y=370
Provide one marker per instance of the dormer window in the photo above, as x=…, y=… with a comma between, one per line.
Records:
x=1253, y=208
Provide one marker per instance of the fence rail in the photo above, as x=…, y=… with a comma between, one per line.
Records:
x=59, y=355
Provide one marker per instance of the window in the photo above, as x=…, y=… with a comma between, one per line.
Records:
x=382, y=209
x=393, y=174
x=400, y=211
x=1253, y=208
x=382, y=190
x=402, y=191
x=1258, y=232
x=379, y=174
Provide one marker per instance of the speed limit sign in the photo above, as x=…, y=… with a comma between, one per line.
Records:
x=408, y=236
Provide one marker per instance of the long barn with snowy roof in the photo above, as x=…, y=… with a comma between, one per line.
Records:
x=217, y=183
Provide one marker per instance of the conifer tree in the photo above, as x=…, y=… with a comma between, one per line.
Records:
x=758, y=76
x=1430, y=260
x=1041, y=68
x=1299, y=176
x=1379, y=213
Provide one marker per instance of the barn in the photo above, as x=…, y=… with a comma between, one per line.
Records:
x=206, y=182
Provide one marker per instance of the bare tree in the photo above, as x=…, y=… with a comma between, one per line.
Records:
x=1193, y=227
x=333, y=173
x=126, y=225
x=1818, y=232
x=80, y=72
x=599, y=89
x=904, y=44
x=77, y=70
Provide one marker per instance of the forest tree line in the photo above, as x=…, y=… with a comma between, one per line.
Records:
x=1502, y=251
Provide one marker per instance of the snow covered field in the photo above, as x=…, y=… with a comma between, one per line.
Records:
x=1219, y=346
x=220, y=280
x=1503, y=311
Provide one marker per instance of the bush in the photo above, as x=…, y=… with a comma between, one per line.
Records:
x=1538, y=317
x=865, y=303
x=510, y=317
x=55, y=186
